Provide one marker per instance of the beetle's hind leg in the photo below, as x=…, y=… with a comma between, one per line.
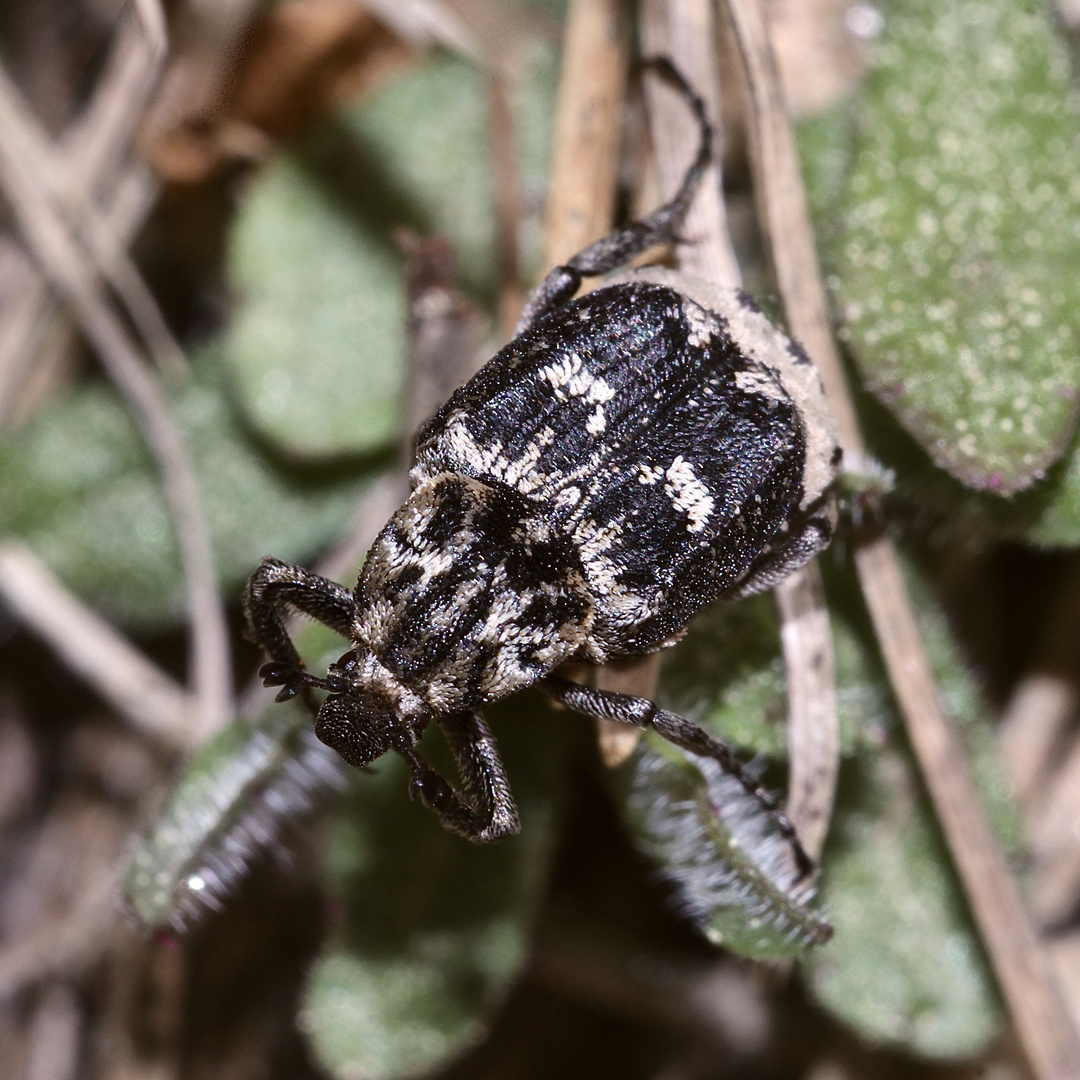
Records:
x=619, y=247
x=276, y=588
x=642, y=713
x=486, y=810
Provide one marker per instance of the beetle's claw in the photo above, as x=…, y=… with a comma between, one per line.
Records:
x=431, y=789
x=288, y=676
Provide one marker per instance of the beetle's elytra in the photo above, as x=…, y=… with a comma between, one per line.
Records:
x=628, y=458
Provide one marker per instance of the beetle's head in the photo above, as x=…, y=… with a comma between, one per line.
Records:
x=356, y=720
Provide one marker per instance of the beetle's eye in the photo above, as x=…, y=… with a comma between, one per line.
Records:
x=347, y=661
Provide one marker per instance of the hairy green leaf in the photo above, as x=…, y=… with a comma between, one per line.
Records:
x=236, y=797
x=317, y=347
x=433, y=928
x=955, y=270
x=81, y=490
x=734, y=873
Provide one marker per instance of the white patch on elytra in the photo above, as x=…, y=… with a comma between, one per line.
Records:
x=753, y=381
x=702, y=326
x=570, y=378
x=648, y=474
x=520, y=472
x=559, y=373
x=597, y=422
x=688, y=493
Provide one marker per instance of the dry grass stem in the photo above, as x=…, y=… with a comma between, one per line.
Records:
x=1065, y=953
x=94, y=152
x=507, y=200
x=63, y=911
x=1054, y=832
x=427, y=22
x=1042, y=1021
x=585, y=152
x=686, y=29
x=813, y=730
x=97, y=144
x=53, y=1037
x=74, y=274
x=148, y=699
x=152, y=17
x=89, y=226
x=717, y=999
x=24, y=297
x=1043, y=705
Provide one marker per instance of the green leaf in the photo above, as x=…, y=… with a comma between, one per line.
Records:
x=956, y=270
x=80, y=489
x=434, y=928
x=728, y=675
x=235, y=798
x=734, y=873
x=905, y=966
x=317, y=347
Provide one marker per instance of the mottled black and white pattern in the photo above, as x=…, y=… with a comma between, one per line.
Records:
x=663, y=453
x=629, y=457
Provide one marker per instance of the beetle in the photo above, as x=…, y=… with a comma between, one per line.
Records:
x=631, y=456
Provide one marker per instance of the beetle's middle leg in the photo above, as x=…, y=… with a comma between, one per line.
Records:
x=775, y=565
x=644, y=714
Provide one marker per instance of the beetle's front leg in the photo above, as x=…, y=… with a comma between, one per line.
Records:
x=278, y=587
x=486, y=810
x=641, y=713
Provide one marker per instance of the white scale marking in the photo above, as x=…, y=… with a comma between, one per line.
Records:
x=688, y=493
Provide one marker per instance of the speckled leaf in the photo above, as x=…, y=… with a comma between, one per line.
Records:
x=80, y=489
x=434, y=928
x=1047, y=514
x=735, y=875
x=905, y=966
x=317, y=345
x=956, y=273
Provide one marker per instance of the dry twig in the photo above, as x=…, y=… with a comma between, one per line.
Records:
x=89, y=227
x=75, y=275
x=93, y=152
x=139, y=691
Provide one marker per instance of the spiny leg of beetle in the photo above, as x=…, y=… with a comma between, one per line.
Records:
x=619, y=247
x=486, y=810
x=770, y=569
x=273, y=590
x=641, y=713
